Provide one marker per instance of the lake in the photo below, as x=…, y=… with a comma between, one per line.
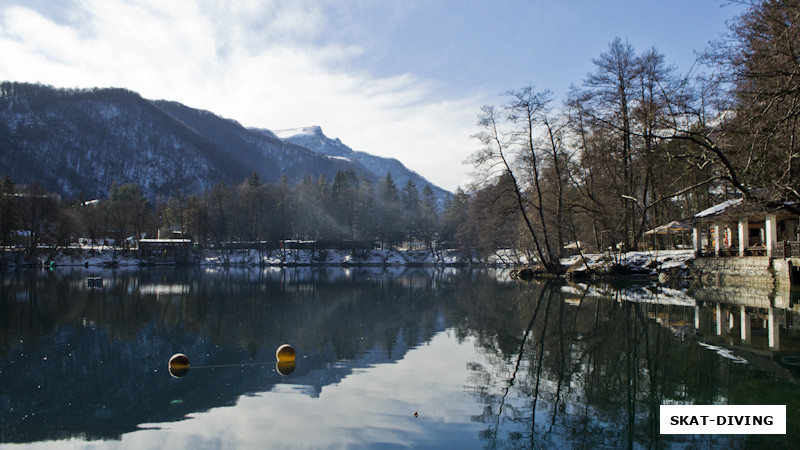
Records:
x=386, y=358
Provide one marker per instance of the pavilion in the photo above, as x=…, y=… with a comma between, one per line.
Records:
x=738, y=227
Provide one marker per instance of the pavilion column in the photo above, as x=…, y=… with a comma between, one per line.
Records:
x=697, y=319
x=771, y=233
x=717, y=238
x=744, y=236
x=696, y=241
x=745, y=324
x=718, y=311
x=773, y=330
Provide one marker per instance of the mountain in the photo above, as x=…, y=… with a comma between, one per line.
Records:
x=313, y=138
x=77, y=142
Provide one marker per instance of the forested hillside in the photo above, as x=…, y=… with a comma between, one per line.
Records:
x=77, y=143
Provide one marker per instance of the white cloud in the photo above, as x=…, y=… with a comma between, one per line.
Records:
x=266, y=64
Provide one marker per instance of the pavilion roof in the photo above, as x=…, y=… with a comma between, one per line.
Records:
x=739, y=209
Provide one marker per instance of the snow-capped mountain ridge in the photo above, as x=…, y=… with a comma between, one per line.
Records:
x=78, y=142
x=314, y=139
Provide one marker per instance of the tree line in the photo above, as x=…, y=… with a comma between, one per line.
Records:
x=636, y=144
x=347, y=212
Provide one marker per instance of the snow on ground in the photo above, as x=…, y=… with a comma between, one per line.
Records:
x=642, y=261
x=645, y=262
x=635, y=293
x=96, y=256
x=509, y=257
x=102, y=256
x=330, y=257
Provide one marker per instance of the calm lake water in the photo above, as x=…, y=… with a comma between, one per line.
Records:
x=416, y=358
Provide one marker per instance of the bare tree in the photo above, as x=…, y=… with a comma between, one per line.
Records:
x=39, y=214
x=522, y=144
x=9, y=209
x=752, y=137
x=620, y=120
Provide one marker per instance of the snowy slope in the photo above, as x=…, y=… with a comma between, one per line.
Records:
x=314, y=139
x=79, y=142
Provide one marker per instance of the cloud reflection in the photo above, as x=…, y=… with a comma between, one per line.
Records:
x=373, y=406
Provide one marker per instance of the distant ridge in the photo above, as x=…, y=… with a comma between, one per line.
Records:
x=77, y=142
x=313, y=138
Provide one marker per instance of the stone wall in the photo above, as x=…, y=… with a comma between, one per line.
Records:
x=783, y=271
x=750, y=296
x=737, y=271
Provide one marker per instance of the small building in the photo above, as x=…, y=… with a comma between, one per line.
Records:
x=673, y=235
x=741, y=228
x=745, y=243
x=165, y=251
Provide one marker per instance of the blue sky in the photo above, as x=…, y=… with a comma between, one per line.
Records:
x=403, y=78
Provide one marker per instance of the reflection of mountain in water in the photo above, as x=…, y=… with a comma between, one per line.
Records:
x=327, y=373
x=94, y=361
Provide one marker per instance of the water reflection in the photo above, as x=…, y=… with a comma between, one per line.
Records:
x=93, y=360
x=485, y=362
x=760, y=323
x=592, y=364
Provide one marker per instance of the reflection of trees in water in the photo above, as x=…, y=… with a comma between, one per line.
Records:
x=250, y=309
x=553, y=371
x=584, y=373
x=91, y=361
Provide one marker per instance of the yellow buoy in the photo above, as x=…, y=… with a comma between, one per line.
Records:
x=178, y=365
x=285, y=353
x=285, y=367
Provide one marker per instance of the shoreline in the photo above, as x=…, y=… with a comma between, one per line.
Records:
x=639, y=264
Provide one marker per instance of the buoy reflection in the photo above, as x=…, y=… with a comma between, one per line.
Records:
x=178, y=365
x=285, y=367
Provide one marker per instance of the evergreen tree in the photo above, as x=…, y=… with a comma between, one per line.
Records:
x=282, y=216
x=456, y=217
x=326, y=220
x=174, y=214
x=220, y=201
x=344, y=192
x=388, y=212
x=9, y=210
x=429, y=217
x=198, y=223
x=411, y=209
x=366, y=222
x=131, y=214
x=253, y=217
